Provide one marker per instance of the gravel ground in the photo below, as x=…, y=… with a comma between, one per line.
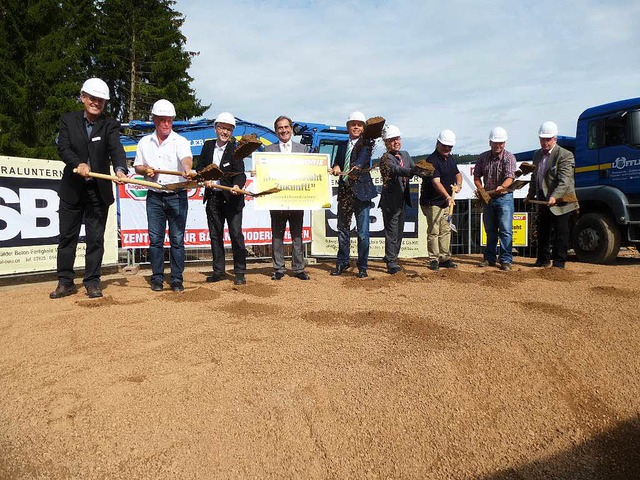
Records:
x=458, y=374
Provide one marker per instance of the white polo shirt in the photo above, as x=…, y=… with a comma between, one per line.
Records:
x=167, y=156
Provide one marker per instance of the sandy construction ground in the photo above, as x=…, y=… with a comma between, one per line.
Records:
x=458, y=374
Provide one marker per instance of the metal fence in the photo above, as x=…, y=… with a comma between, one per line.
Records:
x=467, y=217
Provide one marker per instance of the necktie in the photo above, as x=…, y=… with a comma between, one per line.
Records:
x=404, y=179
x=347, y=160
x=543, y=169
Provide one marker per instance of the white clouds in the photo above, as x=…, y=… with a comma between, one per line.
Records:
x=425, y=66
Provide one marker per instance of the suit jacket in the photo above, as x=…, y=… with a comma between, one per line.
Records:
x=233, y=170
x=363, y=187
x=295, y=147
x=558, y=179
x=102, y=149
x=394, y=192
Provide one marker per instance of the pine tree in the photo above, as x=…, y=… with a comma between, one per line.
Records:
x=142, y=57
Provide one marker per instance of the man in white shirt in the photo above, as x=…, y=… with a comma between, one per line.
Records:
x=164, y=149
x=279, y=218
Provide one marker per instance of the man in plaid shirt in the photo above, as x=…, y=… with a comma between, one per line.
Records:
x=496, y=167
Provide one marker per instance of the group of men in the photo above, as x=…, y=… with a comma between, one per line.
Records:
x=89, y=142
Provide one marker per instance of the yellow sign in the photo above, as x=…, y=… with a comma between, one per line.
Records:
x=520, y=230
x=303, y=179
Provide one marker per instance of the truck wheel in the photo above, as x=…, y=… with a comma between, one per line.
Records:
x=596, y=238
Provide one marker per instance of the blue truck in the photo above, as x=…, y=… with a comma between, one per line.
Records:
x=607, y=178
x=319, y=137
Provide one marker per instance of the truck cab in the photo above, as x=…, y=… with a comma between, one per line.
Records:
x=607, y=179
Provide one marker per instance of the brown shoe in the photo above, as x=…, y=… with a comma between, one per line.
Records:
x=63, y=291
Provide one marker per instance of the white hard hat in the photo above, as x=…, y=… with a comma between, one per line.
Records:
x=96, y=88
x=163, y=108
x=548, y=130
x=225, y=117
x=390, y=131
x=498, y=135
x=356, y=116
x=447, y=137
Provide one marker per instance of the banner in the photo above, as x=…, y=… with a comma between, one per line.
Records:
x=303, y=179
x=325, y=226
x=29, y=223
x=256, y=224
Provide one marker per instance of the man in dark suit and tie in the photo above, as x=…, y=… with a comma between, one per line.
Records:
x=279, y=218
x=223, y=205
x=396, y=167
x=355, y=193
x=552, y=179
x=88, y=141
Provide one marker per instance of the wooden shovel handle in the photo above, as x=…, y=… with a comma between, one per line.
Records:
x=113, y=178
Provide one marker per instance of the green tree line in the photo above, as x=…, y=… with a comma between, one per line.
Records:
x=49, y=47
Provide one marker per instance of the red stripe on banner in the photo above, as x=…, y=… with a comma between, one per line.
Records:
x=200, y=237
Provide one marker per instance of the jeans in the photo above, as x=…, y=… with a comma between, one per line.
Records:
x=498, y=223
x=163, y=209
x=346, y=209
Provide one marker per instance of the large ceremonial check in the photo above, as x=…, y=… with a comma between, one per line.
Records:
x=29, y=223
x=302, y=178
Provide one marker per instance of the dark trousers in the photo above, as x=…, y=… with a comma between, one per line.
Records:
x=219, y=211
x=279, y=220
x=559, y=224
x=163, y=209
x=92, y=209
x=393, y=233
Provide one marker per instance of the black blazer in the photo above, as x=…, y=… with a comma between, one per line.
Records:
x=394, y=194
x=363, y=187
x=233, y=170
x=74, y=148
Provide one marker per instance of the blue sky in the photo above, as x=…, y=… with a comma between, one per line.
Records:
x=424, y=66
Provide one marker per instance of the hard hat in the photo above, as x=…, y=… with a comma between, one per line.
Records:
x=163, y=108
x=548, y=130
x=96, y=88
x=447, y=137
x=356, y=117
x=390, y=131
x=225, y=117
x=498, y=135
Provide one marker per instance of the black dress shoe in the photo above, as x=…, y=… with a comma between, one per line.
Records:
x=94, y=291
x=434, y=265
x=302, y=276
x=558, y=265
x=541, y=264
x=339, y=270
x=63, y=291
x=277, y=276
x=216, y=277
x=156, y=286
x=448, y=264
x=177, y=287
x=239, y=280
x=362, y=274
x=393, y=270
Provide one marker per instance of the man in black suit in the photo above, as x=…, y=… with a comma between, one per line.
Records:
x=88, y=141
x=224, y=205
x=354, y=194
x=396, y=167
x=279, y=218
